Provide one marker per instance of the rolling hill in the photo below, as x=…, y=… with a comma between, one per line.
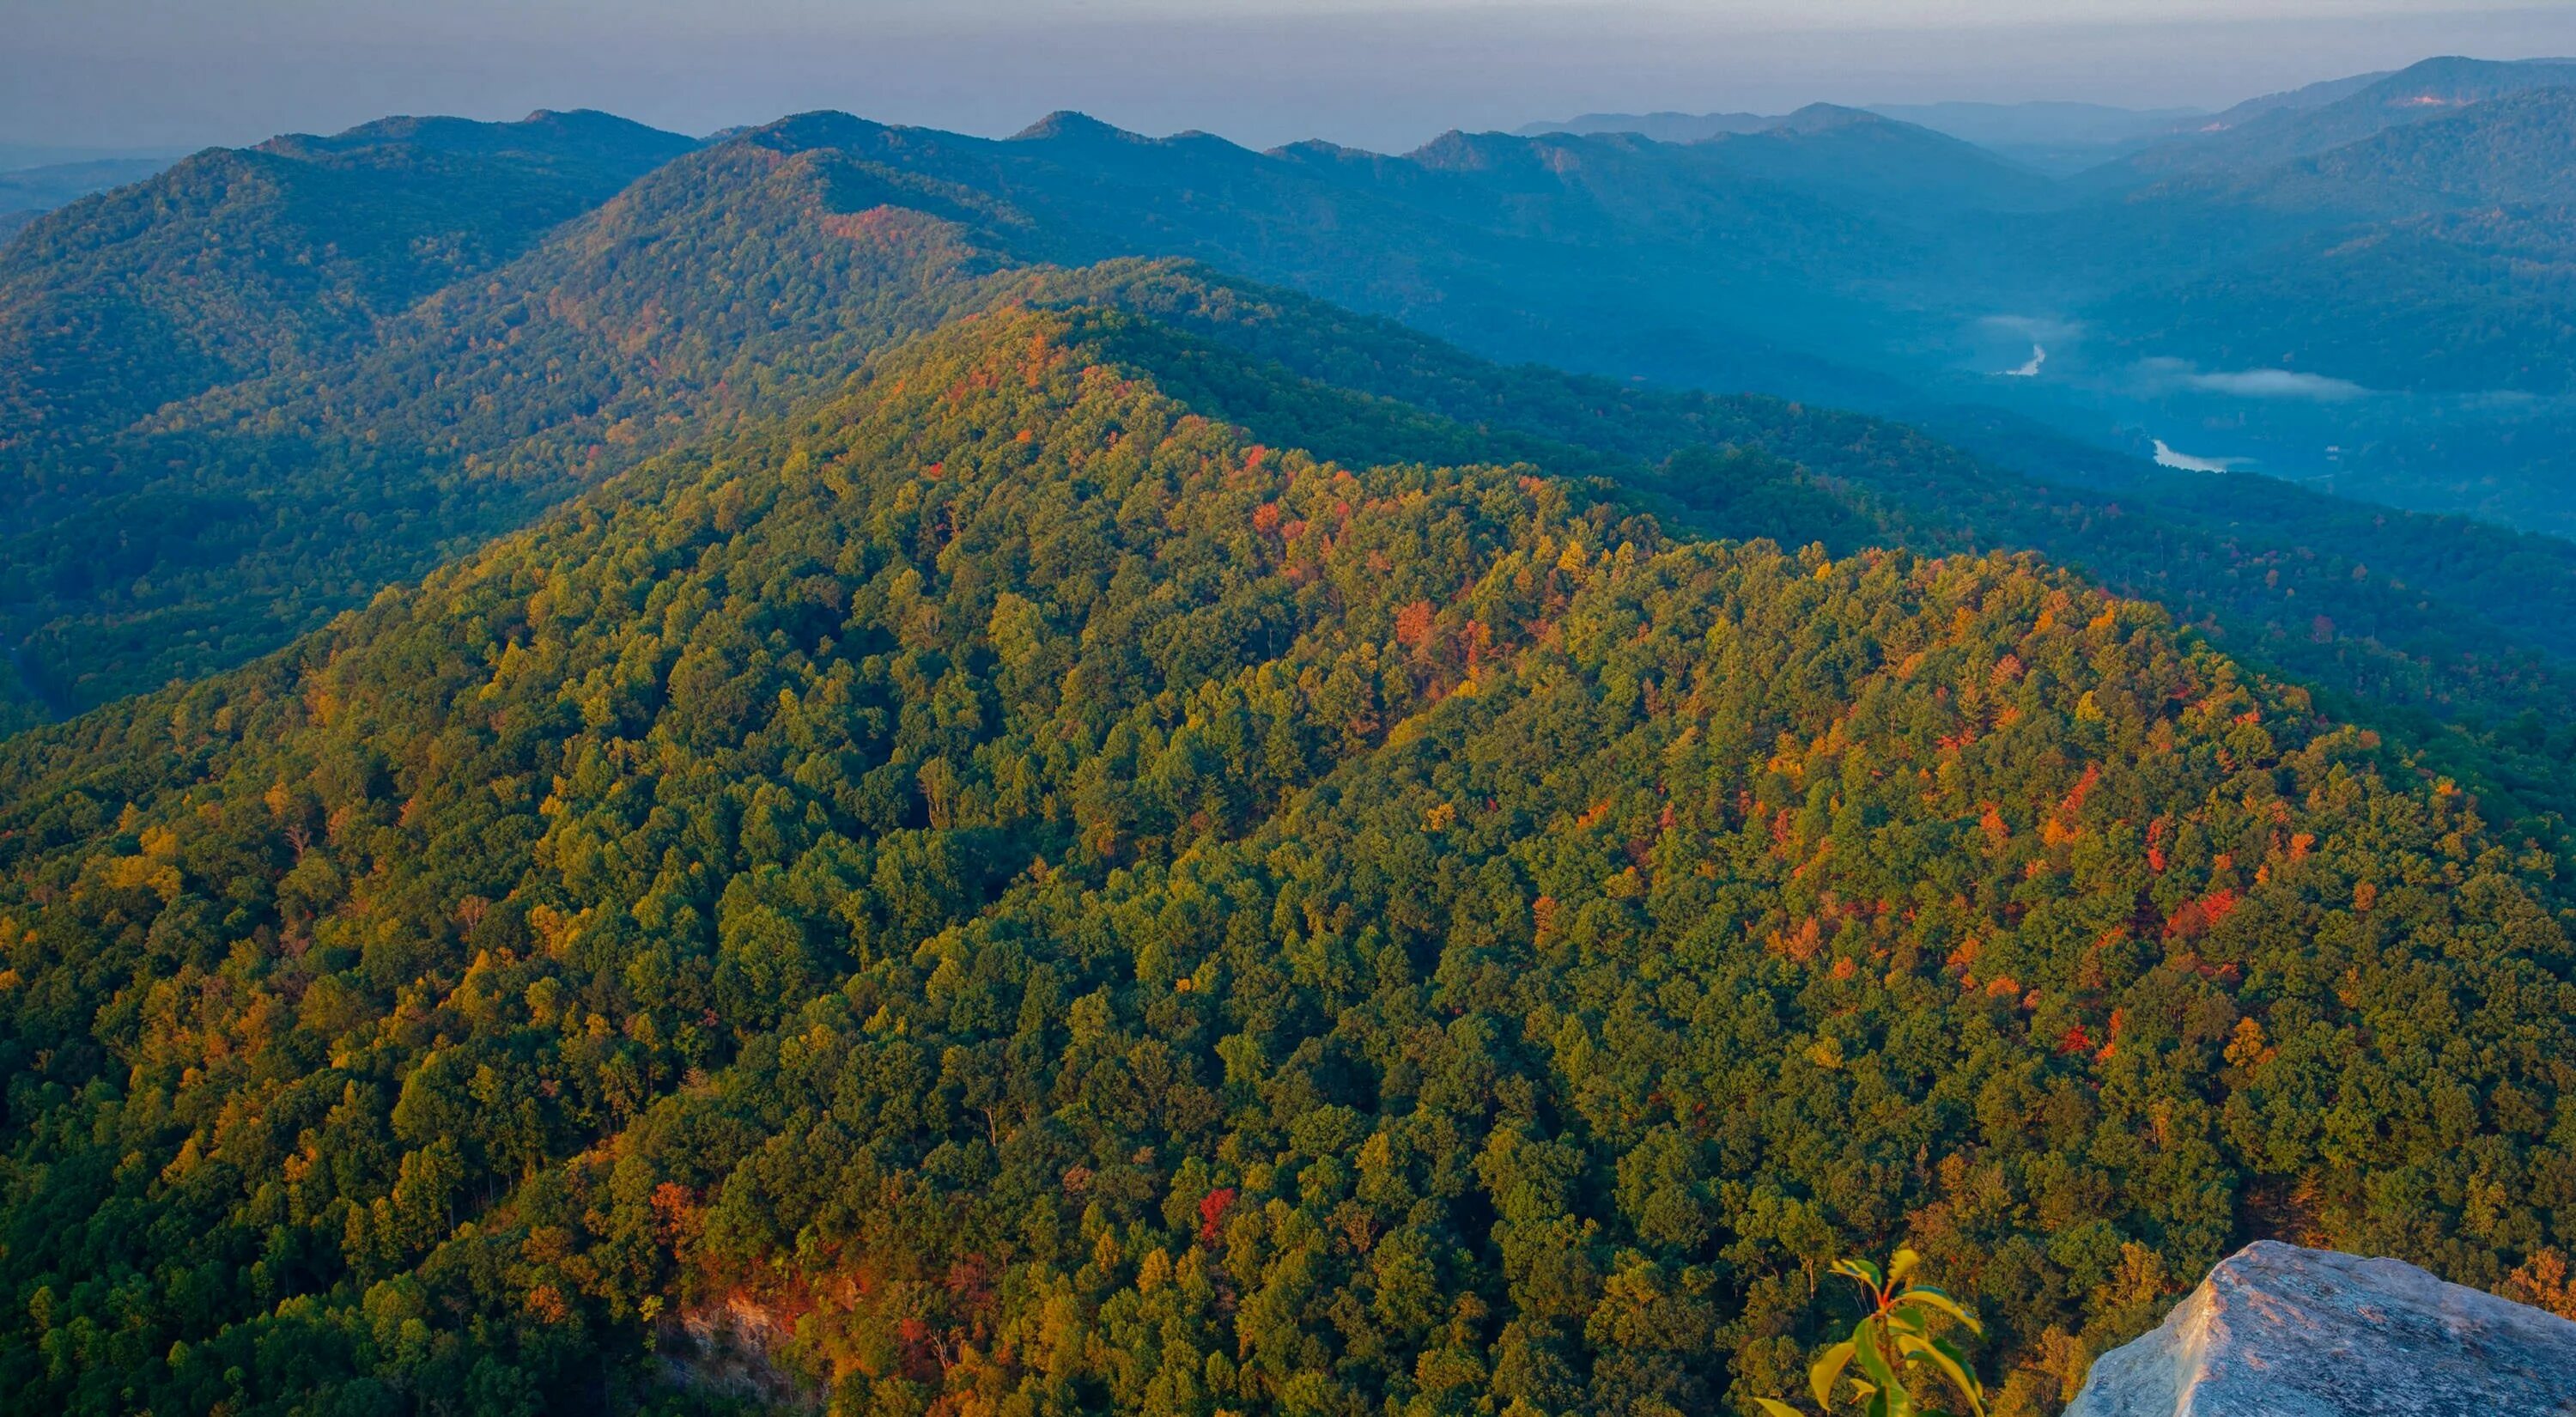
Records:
x=1835, y=259
x=1857, y=156
x=2379, y=311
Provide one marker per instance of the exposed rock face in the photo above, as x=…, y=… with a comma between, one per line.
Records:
x=730, y=1350
x=2279, y=1331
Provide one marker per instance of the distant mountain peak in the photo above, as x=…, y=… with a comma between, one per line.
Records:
x=555, y=132
x=1554, y=154
x=1827, y=117
x=2452, y=80
x=1318, y=149
x=820, y=128
x=1662, y=127
x=1460, y=149
x=1072, y=124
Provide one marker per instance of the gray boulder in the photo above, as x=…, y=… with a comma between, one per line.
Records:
x=2280, y=1331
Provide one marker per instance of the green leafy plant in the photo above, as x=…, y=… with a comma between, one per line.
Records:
x=1890, y=1341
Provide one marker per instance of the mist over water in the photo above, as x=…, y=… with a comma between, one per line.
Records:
x=2168, y=456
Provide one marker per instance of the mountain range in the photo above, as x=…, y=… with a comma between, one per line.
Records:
x=2317, y=119
x=781, y=254
x=2400, y=326
x=847, y=765
x=2059, y=139
x=1852, y=259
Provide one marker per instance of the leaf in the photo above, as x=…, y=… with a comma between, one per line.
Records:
x=1773, y=1407
x=1926, y=1294
x=1861, y=1270
x=1890, y=1386
x=1820, y=1378
x=1974, y=1391
x=1948, y=1364
x=1901, y=1265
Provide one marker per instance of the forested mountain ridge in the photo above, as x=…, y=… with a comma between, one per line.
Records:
x=1878, y=163
x=1882, y=165
x=222, y=526
x=1481, y=238
x=1065, y=907
x=2508, y=151
x=1834, y=259
x=2431, y=256
x=2256, y=561
x=28, y=192
x=2351, y=111
x=740, y=279
x=237, y=261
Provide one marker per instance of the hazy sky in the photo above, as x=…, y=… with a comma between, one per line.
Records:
x=134, y=73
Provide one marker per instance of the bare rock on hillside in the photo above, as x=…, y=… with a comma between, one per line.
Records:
x=2280, y=1331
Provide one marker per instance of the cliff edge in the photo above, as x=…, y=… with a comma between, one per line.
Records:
x=2280, y=1331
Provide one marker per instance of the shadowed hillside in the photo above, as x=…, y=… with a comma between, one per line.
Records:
x=235, y=262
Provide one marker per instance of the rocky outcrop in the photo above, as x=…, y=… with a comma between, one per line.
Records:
x=731, y=1350
x=2280, y=1331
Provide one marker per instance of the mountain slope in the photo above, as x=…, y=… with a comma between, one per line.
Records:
x=2465, y=304
x=1499, y=243
x=2430, y=257
x=1849, y=154
x=2286, y=131
x=2059, y=139
x=774, y=267
x=1621, y=257
x=741, y=280
x=27, y=191
x=234, y=262
x=2512, y=150
x=1029, y=898
x=2423, y=612
x=224, y=525
x=231, y=522
x=1881, y=164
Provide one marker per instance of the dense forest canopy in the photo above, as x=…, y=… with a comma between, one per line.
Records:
x=1035, y=901
x=848, y=766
